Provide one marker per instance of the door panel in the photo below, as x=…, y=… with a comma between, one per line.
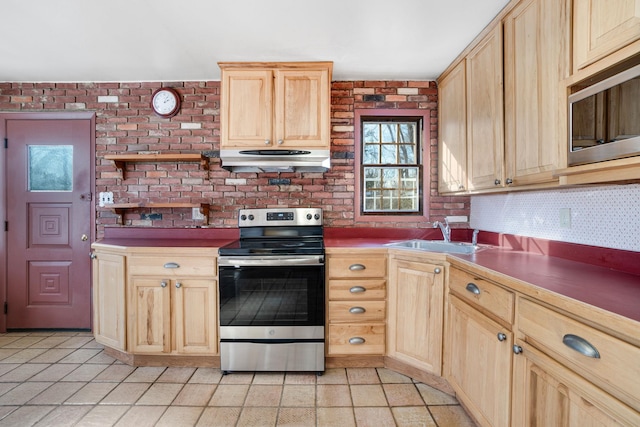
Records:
x=49, y=223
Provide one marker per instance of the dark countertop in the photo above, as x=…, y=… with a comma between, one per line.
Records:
x=611, y=290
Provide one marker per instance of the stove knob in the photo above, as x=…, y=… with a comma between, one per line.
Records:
x=251, y=217
x=243, y=217
x=317, y=216
x=309, y=217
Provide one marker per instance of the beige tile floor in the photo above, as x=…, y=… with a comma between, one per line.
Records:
x=65, y=379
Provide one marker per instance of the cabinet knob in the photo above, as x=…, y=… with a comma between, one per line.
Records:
x=501, y=336
x=460, y=187
x=356, y=267
x=178, y=285
x=437, y=270
x=517, y=349
x=497, y=182
x=267, y=141
x=357, y=310
x=356, y=340
x=163, y=284
x=93, y=255
x=357, y=289
x=509, y=181
x=280, y=141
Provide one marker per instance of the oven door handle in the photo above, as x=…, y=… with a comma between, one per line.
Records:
x=270, y=261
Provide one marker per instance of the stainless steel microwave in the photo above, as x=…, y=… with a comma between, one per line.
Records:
x=604, y=119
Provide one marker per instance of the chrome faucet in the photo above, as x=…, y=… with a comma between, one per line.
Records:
x=446, y=230
x=474, y=238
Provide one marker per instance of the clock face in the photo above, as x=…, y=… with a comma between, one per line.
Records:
x=165, y=102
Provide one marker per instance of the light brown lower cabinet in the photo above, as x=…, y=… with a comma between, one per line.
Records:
x=156, y=300
x=172, y=304
x=416, y=310
x=479, y=363
x=357, y=308
x=546, y=393
x=109, y=316
x=539, y=365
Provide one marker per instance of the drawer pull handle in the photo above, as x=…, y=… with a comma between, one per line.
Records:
x=356, y=267
x=473, y=288
x=357, y=289
x=356, y=340
x=580, y=345
x=502, y=336
x=357, y=310
x=172, y=265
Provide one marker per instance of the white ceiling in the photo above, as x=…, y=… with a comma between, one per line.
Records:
x=182, y=40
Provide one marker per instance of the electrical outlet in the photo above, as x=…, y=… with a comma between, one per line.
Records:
x=196, y=214
x=106, y=198
x=565, y=217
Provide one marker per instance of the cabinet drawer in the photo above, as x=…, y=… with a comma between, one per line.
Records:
x=357, y=266
x=356, y=311
x=172, y=266
x=616, y=370
x=357, y=339
x=482, y=294
x=357, y=290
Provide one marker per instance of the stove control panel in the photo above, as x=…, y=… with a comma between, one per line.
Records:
x=279, y=217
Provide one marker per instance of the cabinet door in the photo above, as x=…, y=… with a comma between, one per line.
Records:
x=485, y=134
x=149, y=315
x=416, y=298
x=601, y=27
x=536, y=60
x=246, y=110
x=302, y=105
x=452, y=126
x=109, y=300
x=479, y=365
x=548, y=394
x=195, y=322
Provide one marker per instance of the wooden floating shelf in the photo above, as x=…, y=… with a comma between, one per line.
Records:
x=119, y=160
x=120, y=208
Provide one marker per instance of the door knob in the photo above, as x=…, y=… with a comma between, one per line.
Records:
x=84, y=238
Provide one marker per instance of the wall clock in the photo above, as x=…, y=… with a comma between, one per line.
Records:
x=165, y=102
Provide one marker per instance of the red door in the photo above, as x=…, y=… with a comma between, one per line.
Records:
x=48, y=187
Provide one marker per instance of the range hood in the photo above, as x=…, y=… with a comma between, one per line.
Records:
x=275, y=160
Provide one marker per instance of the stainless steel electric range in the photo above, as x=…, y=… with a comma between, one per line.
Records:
x=272, y=312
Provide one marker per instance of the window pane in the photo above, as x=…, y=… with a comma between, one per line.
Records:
x=406, y=154
x=50, y=167
x=389, y=132
x=389, y=154
x=371, y=154
x=407, y=132
x=371, y=132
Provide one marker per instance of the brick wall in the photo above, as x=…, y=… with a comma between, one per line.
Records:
x=124, y=122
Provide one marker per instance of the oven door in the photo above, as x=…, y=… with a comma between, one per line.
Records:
x=271, y=291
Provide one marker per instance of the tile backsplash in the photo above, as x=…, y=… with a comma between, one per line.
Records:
x=607, y=216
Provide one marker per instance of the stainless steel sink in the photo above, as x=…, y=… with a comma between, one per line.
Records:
x=436, y=246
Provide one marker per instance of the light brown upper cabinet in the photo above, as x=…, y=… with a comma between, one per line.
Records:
x=536, y=61
x=485, y=113
x=275, y=105
x=452, y=129
x=601, y=27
